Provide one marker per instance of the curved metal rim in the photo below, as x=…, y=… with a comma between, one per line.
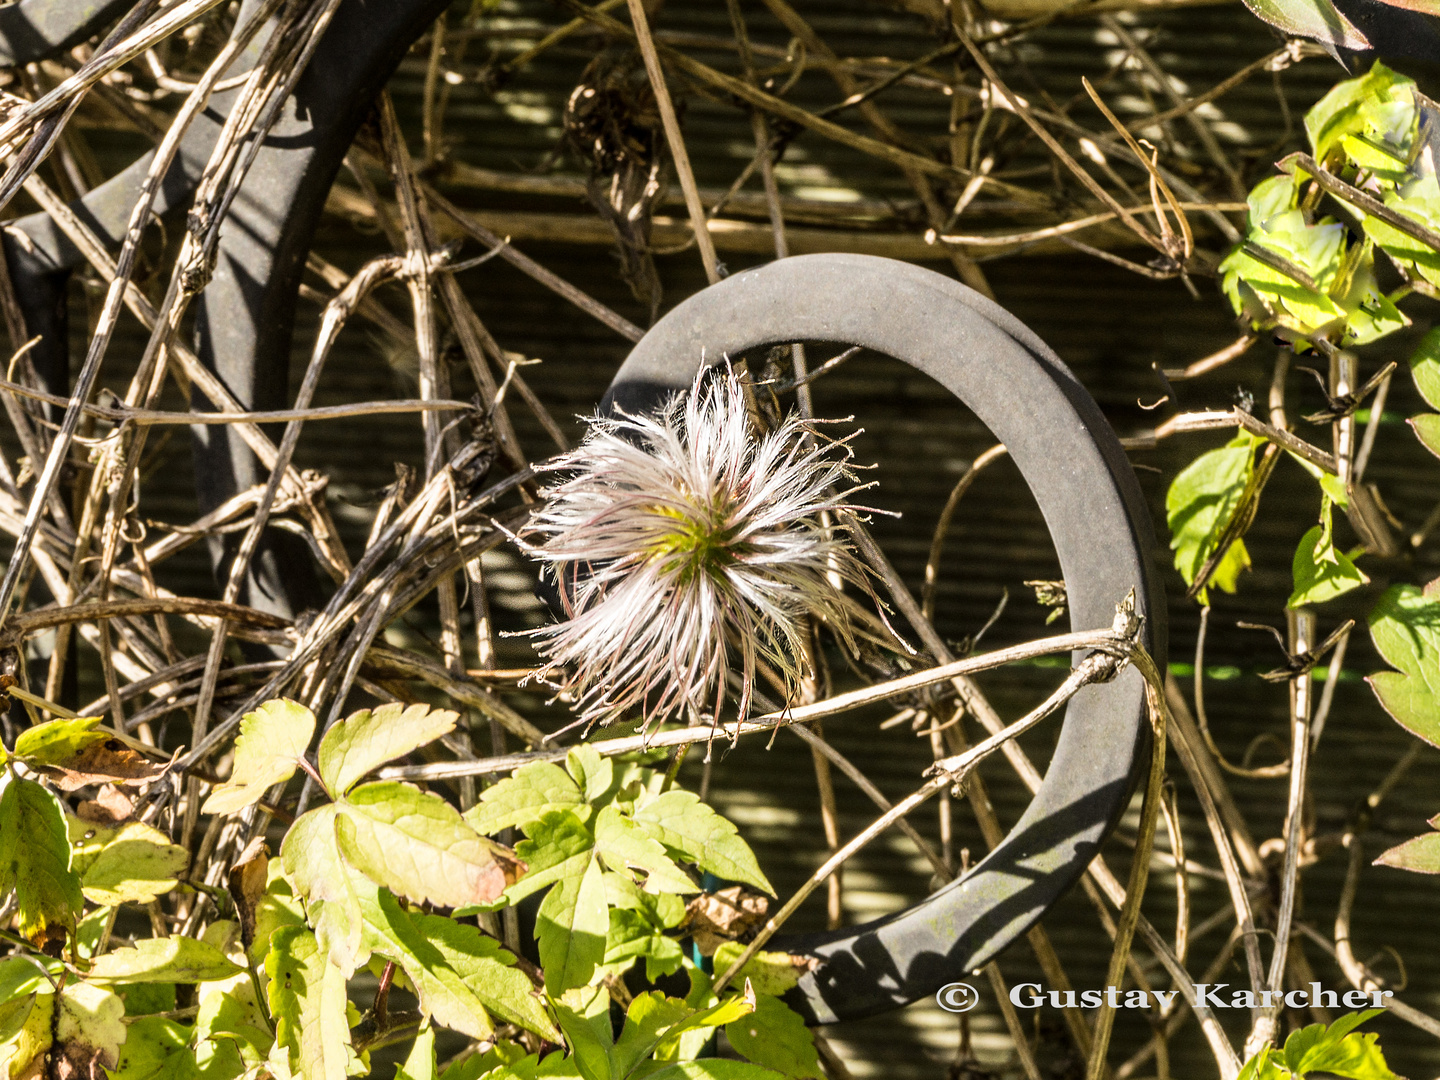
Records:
x=1098, y=521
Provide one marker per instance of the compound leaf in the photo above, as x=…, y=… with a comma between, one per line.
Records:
x=622, y=843
x=557, y=846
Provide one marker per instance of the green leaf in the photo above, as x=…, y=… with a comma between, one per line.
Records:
x=775, y=1036
x=1427, y=430
x=459, y=976
x=231, y=1033
x=1262, y=1066
x=141, y=999
x=156, y=1049
x=129, y=863
x=680, y=821
x=58, y=740
x=272, y=740
x=594, y=774
x=22, y=1054
x=533, y=791
x=489, y=972
x=632, y=935
x=1425, y=367
x=1322, y=573
x=35, y=858
x=557, y=846
x=1363, y=106
x=714, y=1069
x=1405, y=628
x=417, y=845
x=624, y=843
x=1420, y=854
x=570, y=927
x=473, y=1066
x=1337, y=1050
x=278, y=906
x=650, y=1018
x=771, y=973
x=365, y=740
x=1201, y=502
x=585, y=1017
x=20, y=976
x=311, y=858
x=307, y=1000
x=13, y=1015
x=420, y=1065
x=165, y=960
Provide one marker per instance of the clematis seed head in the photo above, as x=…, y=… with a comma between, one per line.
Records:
x=688, y=548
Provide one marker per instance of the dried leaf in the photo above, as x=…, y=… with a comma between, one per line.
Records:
x=247, y=882
x=715, y=918
x=107, y=762
x=109, y=807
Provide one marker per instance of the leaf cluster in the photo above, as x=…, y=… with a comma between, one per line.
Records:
x=386, y=877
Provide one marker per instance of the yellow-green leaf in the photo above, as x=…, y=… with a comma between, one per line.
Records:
x=311, y=857
x=533, y=791
x=58, y=740
x=1201, y=502
x=775, y=1036
x=174, y=959
x=308, y=1003
x=156, y=1049
x=680, y=821
x=624, y=843
x=365, y=740
x=129, y=863
x=417, y=845
x=272, y=740
x=1427, y=430
x=35, y=858
x=571, y=926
